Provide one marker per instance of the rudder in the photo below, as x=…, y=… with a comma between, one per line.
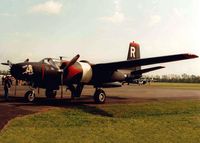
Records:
x=134, y=53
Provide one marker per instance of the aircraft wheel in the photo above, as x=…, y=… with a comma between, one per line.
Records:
x=30, y=96
x=99, y=96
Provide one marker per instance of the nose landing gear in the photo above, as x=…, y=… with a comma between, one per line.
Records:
x=30, y=96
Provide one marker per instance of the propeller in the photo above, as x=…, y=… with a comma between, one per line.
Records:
x=8, y=63
x=71, y=62
x=27, y=60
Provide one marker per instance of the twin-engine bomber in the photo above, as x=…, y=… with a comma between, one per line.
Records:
x=51, y=74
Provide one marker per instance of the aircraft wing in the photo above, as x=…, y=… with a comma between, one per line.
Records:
x=141, y=62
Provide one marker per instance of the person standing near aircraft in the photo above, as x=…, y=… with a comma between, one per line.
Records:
x=2, y=80
x=7, y=85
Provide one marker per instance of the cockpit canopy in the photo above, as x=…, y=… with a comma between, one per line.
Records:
x=53, y=62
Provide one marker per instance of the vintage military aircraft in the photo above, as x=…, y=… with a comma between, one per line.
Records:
x=50, y=74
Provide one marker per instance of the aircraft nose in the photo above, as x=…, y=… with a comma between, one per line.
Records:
x=16, y=70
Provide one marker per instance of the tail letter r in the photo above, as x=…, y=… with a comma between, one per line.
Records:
x=132, y=52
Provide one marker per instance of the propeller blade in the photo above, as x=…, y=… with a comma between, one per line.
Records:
x=65, y=69
x=27, y=60
x=72, y=62
x=8, y=63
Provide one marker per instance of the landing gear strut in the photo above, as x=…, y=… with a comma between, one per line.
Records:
x=50, y=93
x=75, y=91
x=99, y=96
x=30, y=96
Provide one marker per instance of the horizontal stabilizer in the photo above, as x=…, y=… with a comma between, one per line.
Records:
x=139, y=72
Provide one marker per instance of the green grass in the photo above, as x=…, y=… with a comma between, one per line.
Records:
x=188, y=86
x=172, y=121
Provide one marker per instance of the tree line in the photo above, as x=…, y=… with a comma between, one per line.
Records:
x=4, y=72
x=174, y=78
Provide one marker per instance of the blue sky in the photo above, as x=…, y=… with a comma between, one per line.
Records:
x=100, y=30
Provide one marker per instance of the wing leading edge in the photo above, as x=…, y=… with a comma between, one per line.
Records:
x=145, y=61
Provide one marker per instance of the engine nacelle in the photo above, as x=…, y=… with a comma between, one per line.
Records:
x=86, y=72
x=108, y=85
x=78, y=72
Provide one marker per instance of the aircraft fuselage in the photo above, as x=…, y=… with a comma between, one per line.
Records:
x=46, y=76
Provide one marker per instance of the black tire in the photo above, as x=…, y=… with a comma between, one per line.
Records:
x=99, y=96
x=50, y=93
x=29, y=96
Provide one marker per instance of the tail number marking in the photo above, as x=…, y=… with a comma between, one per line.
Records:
x=132, y=52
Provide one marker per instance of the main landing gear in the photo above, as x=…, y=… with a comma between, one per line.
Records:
x=30, y=95
x=50, y=93
x=99, y=95
x=75, y=91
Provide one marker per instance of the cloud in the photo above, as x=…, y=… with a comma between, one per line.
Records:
x=154, y=20
x=177, y=12
x=117, y=17
x=49, y=7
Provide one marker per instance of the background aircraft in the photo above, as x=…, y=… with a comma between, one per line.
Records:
x=74, y=74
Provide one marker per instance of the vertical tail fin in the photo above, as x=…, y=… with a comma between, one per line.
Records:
x=134, y=53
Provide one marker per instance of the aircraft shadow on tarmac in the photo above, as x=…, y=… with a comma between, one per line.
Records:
x=85, y=104
x=62, y=102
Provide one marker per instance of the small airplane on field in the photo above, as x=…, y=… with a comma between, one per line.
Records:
x=50, y=74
